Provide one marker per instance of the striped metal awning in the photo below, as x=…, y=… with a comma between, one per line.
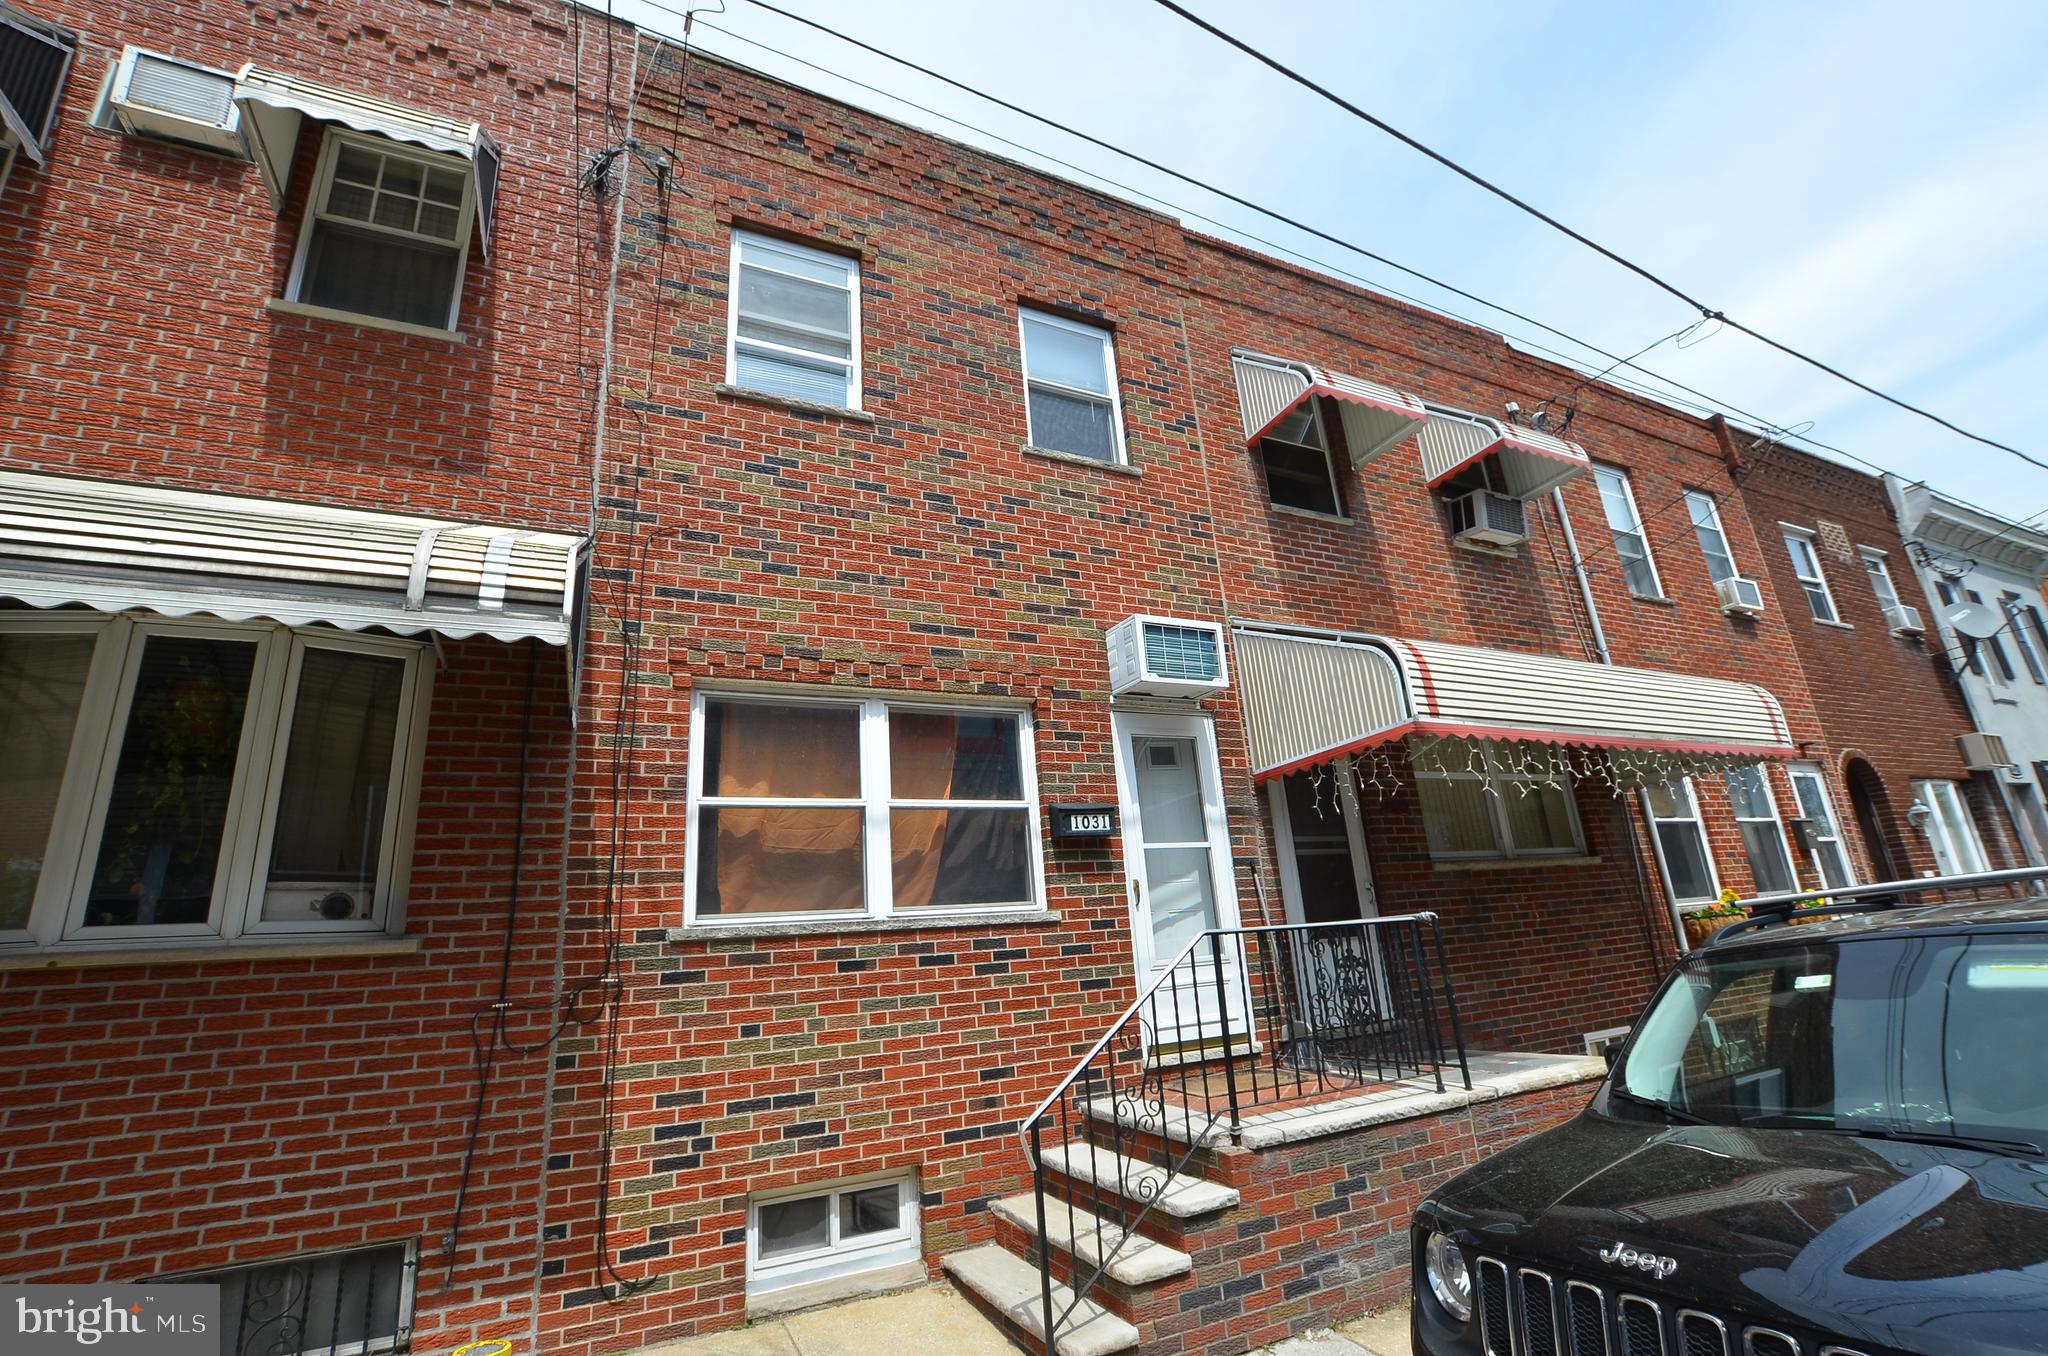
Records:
x=1376, y=418
x=66, y=541
x=275, y=105
x=1530, y=462
x=1310, y=697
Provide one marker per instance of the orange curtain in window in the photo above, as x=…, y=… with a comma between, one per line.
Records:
x=786, y=859
x=921, y=749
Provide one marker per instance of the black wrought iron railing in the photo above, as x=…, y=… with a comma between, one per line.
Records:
x=1242, y=1018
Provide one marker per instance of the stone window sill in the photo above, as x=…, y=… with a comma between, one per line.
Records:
x=1514, y=863
x=205, y=953
x=1310, y=515
x=1054, y=454
x=1653, y=599
x=1837, y=625
x=279, y=306
x=751, y=396
x=836, y=927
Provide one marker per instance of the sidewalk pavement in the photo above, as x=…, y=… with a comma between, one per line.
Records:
x=932, y=1320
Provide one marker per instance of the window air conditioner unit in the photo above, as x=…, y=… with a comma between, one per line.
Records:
x=1904, y=621
x=1489, y=518
x=1166, y=657
x=1740, y=597
x=1982, y=752
x=159, y=96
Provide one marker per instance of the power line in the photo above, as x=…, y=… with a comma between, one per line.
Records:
x=1706, y=312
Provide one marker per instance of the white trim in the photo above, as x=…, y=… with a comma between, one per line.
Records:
x=1699, y=826
x=838, y=1257
x=1818, y=775
x=1807, y=538
x=1953, y=855
x=1101, y=334
x=1693, y=498
x=1774, y=819
x=1504, y=846
x=744, y=240
x=1291, y=893
x=1634, y=528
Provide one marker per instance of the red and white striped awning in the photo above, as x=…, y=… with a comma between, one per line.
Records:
x=1311, y=697
x=1530, y=461
x=1376, y=418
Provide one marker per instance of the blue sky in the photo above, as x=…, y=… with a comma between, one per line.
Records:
x=1865, y=182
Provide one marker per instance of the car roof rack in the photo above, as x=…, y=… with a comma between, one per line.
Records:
x=1776, y=910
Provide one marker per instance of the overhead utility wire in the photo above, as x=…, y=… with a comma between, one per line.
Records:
x=1705, y=310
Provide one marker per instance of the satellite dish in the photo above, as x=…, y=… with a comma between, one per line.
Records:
x=1974, y=620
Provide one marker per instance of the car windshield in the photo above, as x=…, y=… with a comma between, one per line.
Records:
x=1926, y=1036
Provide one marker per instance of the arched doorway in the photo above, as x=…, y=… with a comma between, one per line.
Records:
x=1873, y=813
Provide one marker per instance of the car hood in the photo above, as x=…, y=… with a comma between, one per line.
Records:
x=1875, y=1242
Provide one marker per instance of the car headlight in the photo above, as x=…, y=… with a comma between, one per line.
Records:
x=1450, y=1280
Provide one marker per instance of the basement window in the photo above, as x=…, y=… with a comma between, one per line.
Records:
x=323, y=1304
x=814, y=1233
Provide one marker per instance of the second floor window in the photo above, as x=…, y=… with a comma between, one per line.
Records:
x=1070, y=387
x=1706, y=525
x=1631, y=547
x=387, y=232
x=795, y=322
x=2024, y=636
x=1880, y=579
x=1806, y=566
x=1298, y=470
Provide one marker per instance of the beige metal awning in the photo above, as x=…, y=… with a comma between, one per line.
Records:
x=275, y=106
x=1530, y=462
x=66, y=541
x=1310, y=697
x=1376, y=418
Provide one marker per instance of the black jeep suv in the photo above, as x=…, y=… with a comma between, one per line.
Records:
x=1819, y=1140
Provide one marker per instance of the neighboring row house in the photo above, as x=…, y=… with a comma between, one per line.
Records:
x=609, y=702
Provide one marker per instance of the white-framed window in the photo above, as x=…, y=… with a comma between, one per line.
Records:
x=816, y=806
x=1763, y=837
x=1631, y=546
x=1998, y=674
x=1474, y=814
x=1810, y=788
x=1300, y=473
x=1957, y=849
x=187, y=780
x=793, y=327
x=1806, y=567
x=2016, y=620
x=351, y=1303
x=386, y=233
x=1706, y=525
x=1070, y=392
x=1681, y=840
x=815, y=1232
x=1875, y=565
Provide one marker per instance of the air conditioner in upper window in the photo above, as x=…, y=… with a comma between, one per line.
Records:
x=1166, y=657
x=1739, y=597
x=159, y=96
x=1493, y=519
x=1904, y=621
x=1982, y=752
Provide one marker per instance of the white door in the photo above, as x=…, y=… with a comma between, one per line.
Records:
x=1177, y=858
x=1338, y=974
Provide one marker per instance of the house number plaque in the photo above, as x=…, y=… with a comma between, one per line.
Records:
x=1083, y=821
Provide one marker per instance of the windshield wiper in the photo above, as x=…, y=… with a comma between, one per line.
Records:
x=1679, y=1114
x=1996, y=1146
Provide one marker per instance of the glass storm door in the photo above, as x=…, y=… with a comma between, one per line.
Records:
x=1338, y=974
x=1177, y=858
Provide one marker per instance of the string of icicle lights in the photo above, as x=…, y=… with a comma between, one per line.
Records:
x=1514, y=765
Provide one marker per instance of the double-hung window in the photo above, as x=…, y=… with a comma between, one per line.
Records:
x=387, y=232
x=1950, y=833
x=1299, y=473
x=1070, y=394
x=171, y=780
x=828, y=807
x=794, y=327
x=1812, y=582
x=1631, y=547
x=1822, y=830
x=1682, y=842
x=2023, y=638
x=1881, y=585
x=1998, y=674
x=1763, y=837
x=1706, y=525
x=1485, y=812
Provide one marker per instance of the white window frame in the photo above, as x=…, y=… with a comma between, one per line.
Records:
x=1505, y=784
x=1615, y=474
x=847, y=264
x=1694, y=501
x=875, y=802
x=1818, y=776
x=1774, y=819
x=1320, y=444
x=1699, y=826
x=56, y=916
x=316, y=211
x=871, y=1252
x=1809, y=542
x=1953, y=855
x=1878, y=568
x=2014, y=608
x=1101, y=334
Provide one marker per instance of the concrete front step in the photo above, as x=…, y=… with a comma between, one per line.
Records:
x=1010, y=1286
x=1182, y=1197
x=1141, y=1261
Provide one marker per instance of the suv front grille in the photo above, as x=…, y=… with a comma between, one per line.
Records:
x=1526, y=1312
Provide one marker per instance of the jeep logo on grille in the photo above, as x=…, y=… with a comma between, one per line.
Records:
x=1623, y=1255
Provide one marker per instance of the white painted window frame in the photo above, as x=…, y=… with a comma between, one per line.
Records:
x=1699, y=826
x=1877, y=566
x=1103, y=335
x=1809, y=542
x=875, y=802
x=1693, y=500
x=323, y=184
x=1947, y=809
x=56, y=917
x=1634, y=528
x=1775, y=819
x=850, y=269
x=1504, y=846
x=1818, y=775
x=1353, y=819
x=868, y=1252
x=2013, y=608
